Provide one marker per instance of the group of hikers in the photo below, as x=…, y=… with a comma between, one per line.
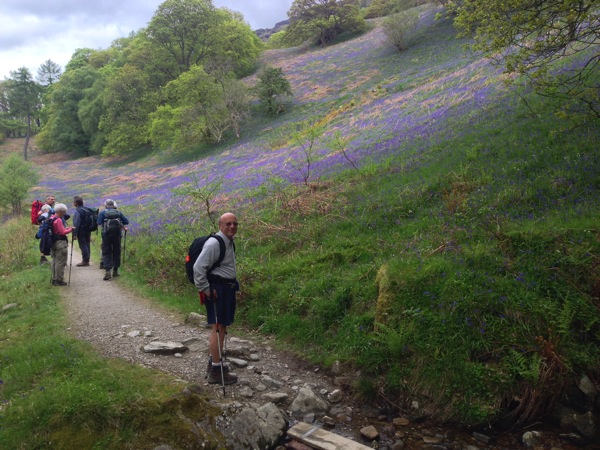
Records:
x=53, y=216
x=214, y=270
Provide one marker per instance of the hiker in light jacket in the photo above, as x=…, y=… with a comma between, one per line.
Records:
x=217, y=291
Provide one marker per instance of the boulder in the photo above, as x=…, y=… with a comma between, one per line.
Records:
x=257, y=428
x=308, y=402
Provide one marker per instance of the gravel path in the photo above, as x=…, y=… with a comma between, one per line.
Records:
x=105, y=313
x=119, y=323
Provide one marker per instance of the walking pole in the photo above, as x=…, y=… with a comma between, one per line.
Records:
x=124, y=246
x=71, y=263
x=214, y=300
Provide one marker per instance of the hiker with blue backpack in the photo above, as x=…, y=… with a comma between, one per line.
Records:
x=44, y=212
x=214, y=274
x=112, y=222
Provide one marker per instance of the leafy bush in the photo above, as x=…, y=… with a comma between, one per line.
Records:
x=277, y=40
x=273, y=90
x=16, y=178
x=401, y=28
x=16, y=245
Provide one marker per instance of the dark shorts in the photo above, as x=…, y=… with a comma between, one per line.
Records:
x=225, y=304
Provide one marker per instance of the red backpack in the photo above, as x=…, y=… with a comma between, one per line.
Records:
x=36, y=207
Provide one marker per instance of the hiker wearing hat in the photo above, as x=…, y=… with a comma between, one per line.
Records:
x=111, y=221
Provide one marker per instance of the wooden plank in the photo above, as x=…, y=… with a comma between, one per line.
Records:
x=322, y=439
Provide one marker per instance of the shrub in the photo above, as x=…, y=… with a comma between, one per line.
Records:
x=16, y=178
x=16, y=242
x=272, y=90
x=400, y=28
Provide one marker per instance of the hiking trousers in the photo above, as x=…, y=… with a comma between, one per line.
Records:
x=111, y=250
x=60, y=255
x=83, y=239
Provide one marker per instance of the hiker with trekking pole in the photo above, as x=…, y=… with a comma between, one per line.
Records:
x=214, y=274
x=60, y=244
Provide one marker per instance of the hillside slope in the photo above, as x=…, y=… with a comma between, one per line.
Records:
x=379, y=100
x=448, y=248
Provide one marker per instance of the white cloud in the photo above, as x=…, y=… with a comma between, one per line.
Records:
x=33, y=31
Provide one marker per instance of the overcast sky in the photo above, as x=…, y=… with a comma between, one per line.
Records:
x=33, y=31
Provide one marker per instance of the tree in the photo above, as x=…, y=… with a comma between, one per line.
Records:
x=63, y=129
x=184, y=31
x=24, y=100
x=91, y=109
x=48, y=73
x=323, y=20
x=80, y=58
x=236, y=43
x=16, y=178
x=128, y=102
x=272, y=90
x=306, y=138
x=198, y=109
x=528, y=36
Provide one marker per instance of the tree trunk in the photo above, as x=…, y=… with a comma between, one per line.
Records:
x=26, y=144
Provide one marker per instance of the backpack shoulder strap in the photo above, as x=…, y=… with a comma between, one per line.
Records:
x=222, y=250
x=50, y=221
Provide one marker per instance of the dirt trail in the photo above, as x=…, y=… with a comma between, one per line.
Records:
x=105, y=313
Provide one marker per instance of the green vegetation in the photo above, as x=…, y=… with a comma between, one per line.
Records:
x=538, y=35
x=401, y=28
x=383, y=8
x=458, y=275
x=128, y=98
x=273, y=90
x=16, y=178
x=322, y=22
x=23, y=93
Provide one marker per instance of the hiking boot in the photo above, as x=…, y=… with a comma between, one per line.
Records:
x=83, y=264
x=209, y=368
x=214, y=376
x=115, y=273
x=59, y=283
x=107, y=275
x=101, y=265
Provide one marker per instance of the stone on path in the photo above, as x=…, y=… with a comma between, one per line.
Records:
x=164, y=348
